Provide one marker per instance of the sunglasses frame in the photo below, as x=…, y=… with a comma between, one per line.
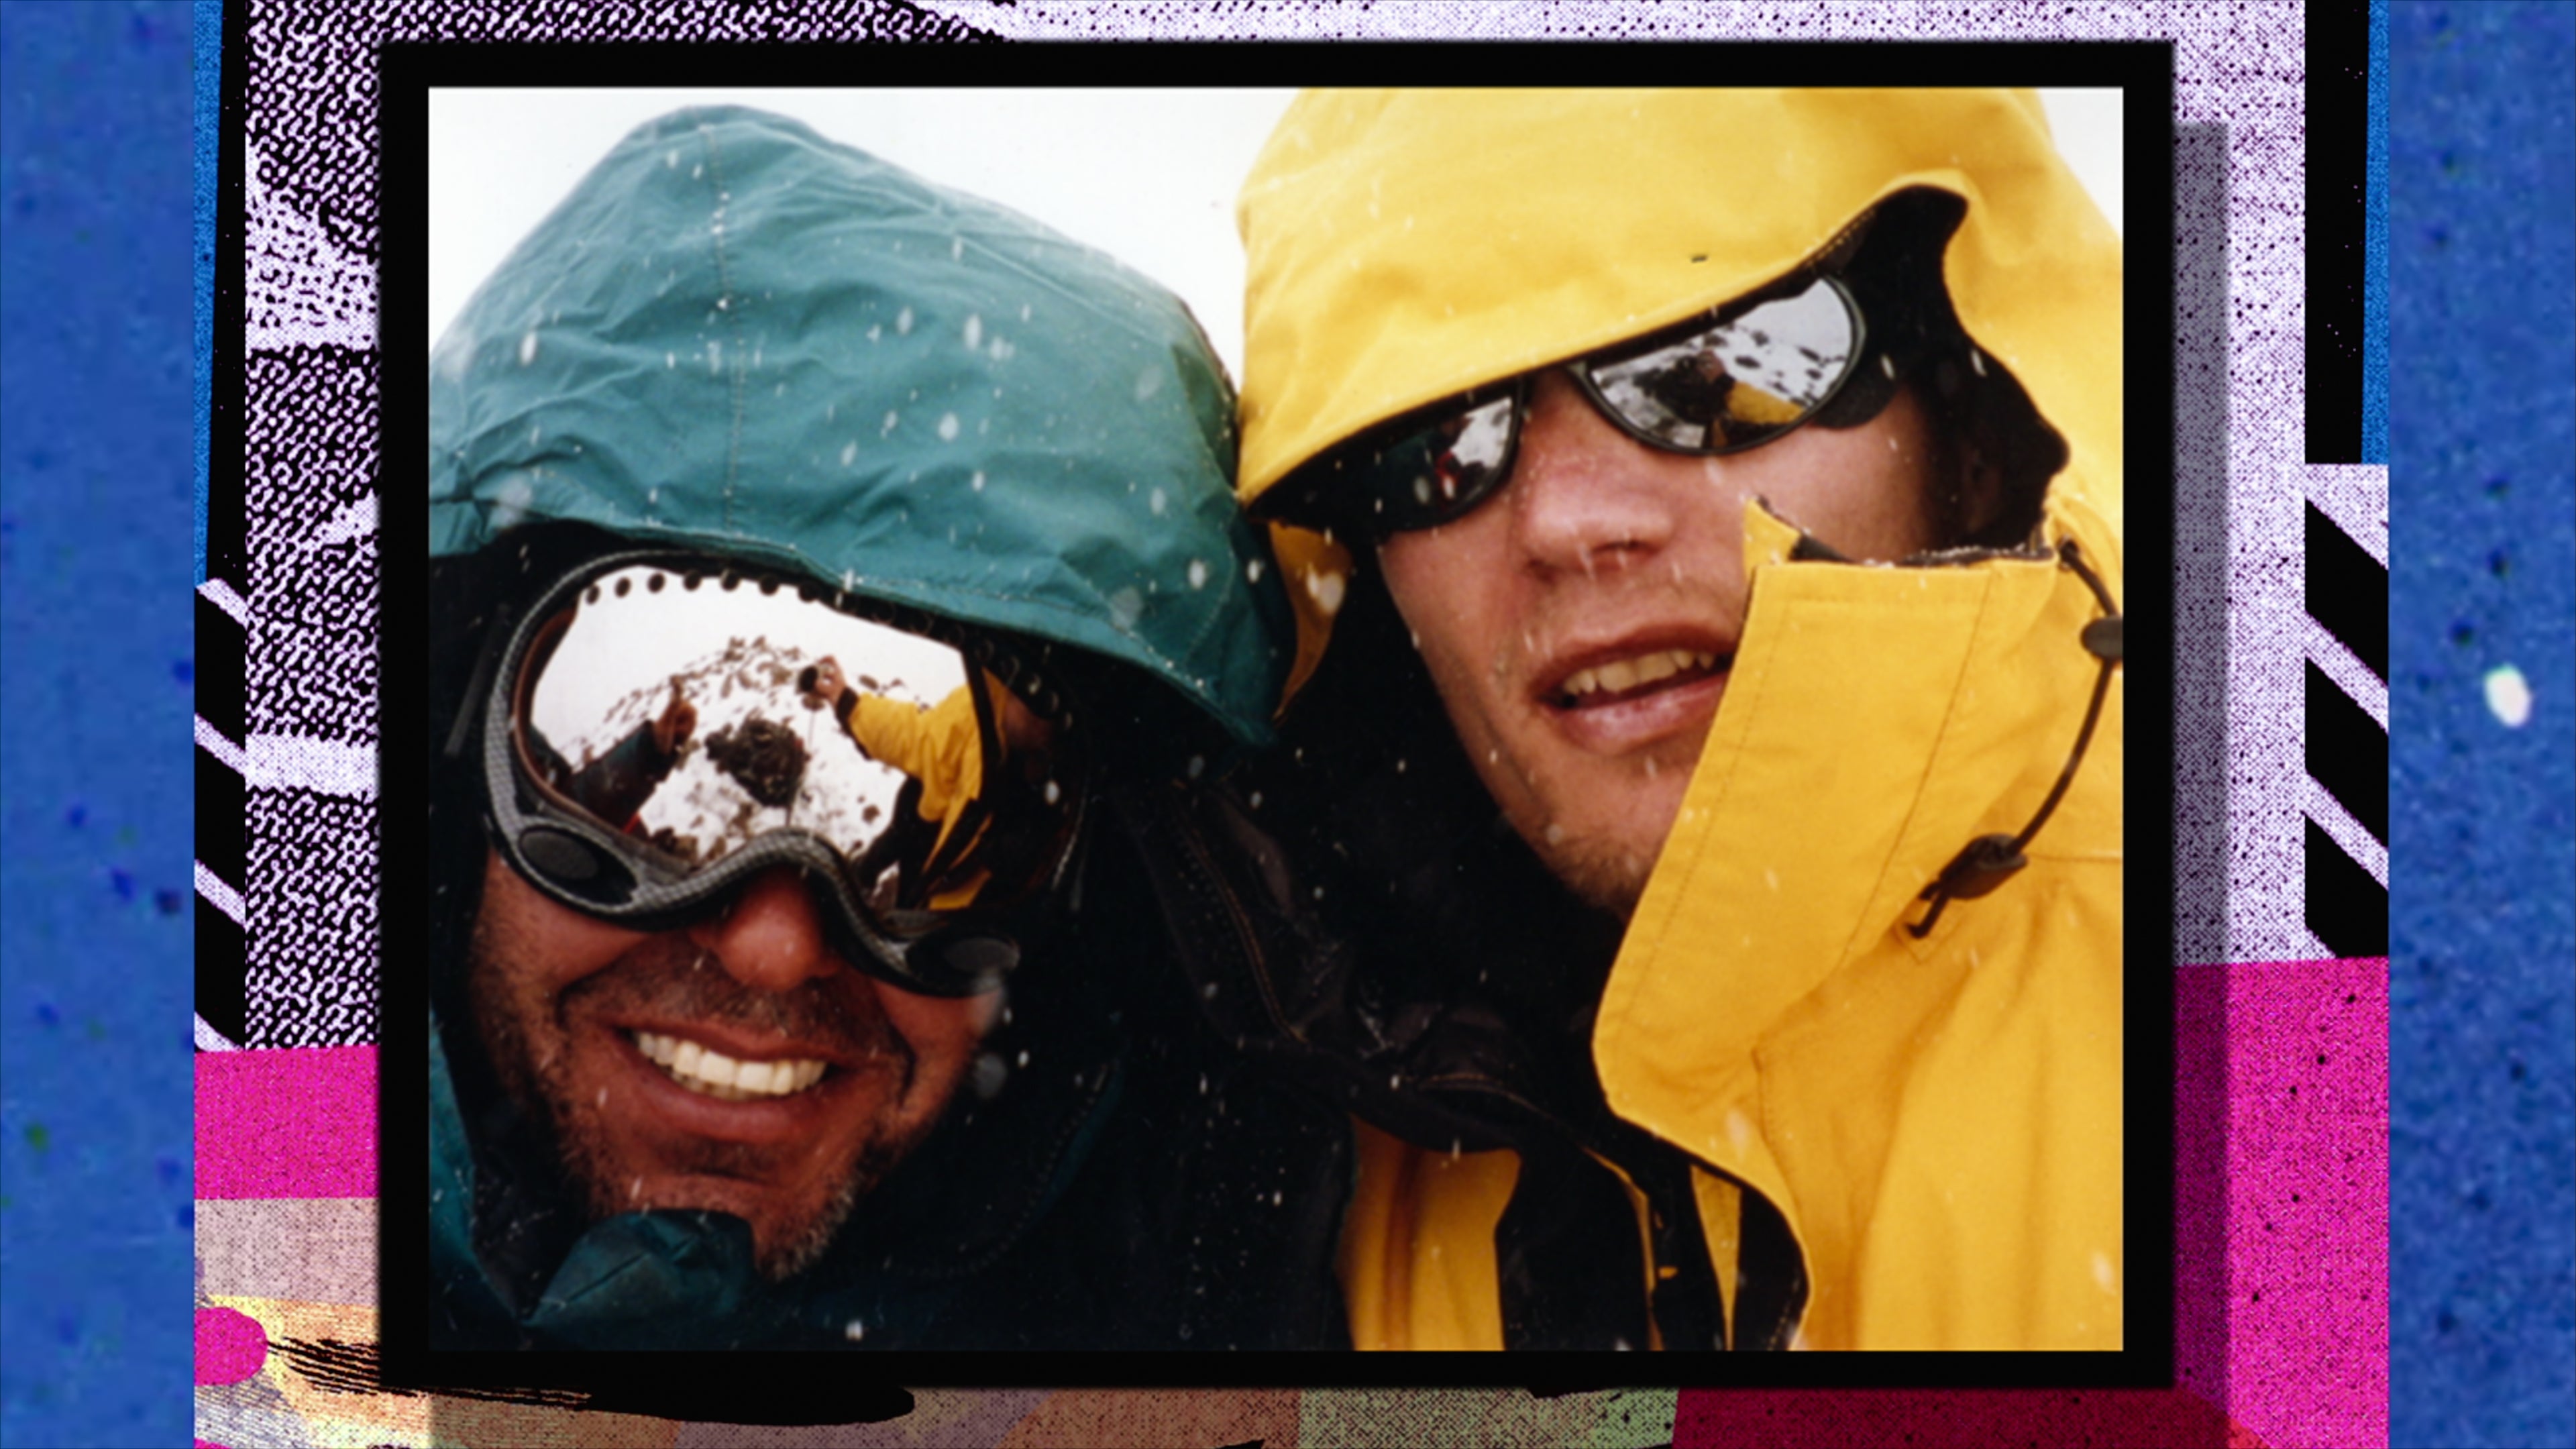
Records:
x=580, y=863
x=1382, y=520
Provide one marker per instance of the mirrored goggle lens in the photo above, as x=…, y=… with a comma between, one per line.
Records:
x=694, y=713
x=1738, y=383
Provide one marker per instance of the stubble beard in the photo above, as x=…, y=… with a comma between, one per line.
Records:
x=1603, y=877
x=539, y=1081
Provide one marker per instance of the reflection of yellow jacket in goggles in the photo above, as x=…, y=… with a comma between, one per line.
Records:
x=1937, y=1120
x=939, y=746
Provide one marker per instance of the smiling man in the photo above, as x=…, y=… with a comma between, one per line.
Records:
x=1712, y=788
x=798, y=609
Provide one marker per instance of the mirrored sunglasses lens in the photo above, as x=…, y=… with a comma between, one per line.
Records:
x=1739, y=382
x=696, y=713
x=1445, y=470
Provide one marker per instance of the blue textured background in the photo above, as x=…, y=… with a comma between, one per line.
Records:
x=2482, y=195
x=96, y=532
x=96, y=528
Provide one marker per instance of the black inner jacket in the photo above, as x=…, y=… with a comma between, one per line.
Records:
x=1356, y=910
x=1136, y=1184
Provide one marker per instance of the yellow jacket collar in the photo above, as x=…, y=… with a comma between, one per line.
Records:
x=1879, y=718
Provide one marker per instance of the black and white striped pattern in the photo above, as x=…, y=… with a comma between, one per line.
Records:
x=2345, y=794
x=223, y=627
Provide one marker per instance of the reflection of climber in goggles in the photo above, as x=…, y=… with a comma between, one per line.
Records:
x=948, y=803
x=616, y=786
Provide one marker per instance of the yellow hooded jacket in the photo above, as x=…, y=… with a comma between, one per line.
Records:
x=1936, y=1119
x=942, y=748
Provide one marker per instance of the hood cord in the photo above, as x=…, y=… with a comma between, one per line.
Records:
x=1989, y=860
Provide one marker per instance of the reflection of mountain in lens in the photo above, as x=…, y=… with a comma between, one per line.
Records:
x=766, y=757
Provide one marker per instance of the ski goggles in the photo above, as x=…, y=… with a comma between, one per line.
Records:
x=1727, y=380
x=662, y=728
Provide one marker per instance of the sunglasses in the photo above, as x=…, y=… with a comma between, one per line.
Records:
x=663, y=728
x=1735, y=378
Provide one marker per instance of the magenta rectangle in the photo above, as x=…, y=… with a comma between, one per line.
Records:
x=2307, y=1201
x=280, y=1124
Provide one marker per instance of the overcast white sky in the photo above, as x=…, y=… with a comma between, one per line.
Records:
x=1147, y=175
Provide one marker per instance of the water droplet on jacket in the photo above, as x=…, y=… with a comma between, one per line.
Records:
x=1125, y=607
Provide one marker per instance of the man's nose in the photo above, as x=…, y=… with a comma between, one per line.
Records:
x=1583, y=494
x=770, y=938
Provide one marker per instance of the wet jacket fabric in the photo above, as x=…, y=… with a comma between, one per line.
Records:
x=739, y=337
x=1884, y=1141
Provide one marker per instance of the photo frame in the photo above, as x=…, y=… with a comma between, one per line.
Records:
x=390, y=741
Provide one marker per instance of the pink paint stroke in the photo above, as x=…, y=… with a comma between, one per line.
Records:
x=287, y=1124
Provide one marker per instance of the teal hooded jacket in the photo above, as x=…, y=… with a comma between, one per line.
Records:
x=739, y=337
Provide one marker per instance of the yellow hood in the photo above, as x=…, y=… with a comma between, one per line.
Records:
x=1937, y=1119
x=1405, y=245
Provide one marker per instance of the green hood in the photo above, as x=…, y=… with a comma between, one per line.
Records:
x=736, y=335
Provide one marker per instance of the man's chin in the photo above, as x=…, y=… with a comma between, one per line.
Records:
x=791, y=1228
x=1606, y=872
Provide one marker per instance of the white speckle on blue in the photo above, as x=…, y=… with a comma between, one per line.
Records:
x=2509, y=695
x=850, y=452
x=1198, y=573
x=903, y=322
x=528, y=348
x=974, y=331
x=948, y=427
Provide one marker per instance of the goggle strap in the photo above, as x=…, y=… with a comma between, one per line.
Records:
x=487, y=662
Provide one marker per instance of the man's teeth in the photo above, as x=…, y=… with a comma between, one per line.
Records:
x=720, y=1076
x=1625, y=674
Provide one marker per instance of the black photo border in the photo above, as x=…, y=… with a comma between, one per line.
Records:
x=837, y=1387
